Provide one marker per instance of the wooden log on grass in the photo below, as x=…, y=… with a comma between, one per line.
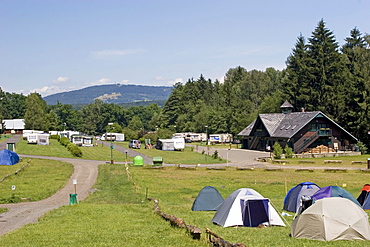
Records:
x=194, y=231
x=245, y=168
x=273, y=169
x=333, y=161
x=304, y=170
x=306, y=161
x=358, y=162
x=216, y=168
x=216, y=240
x=335, y=170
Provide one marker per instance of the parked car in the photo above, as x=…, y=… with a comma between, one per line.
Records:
x=134, y=144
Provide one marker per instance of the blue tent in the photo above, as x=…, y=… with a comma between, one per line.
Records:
x=8, y=157
x=293, y=198
x=208, y=199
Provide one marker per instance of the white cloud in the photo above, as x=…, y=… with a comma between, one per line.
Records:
x=61, y=79
x=115, y=53
x=174, y=81
x=102, y=81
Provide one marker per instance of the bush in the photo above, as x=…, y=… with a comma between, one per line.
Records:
x=55, y=137
x=215, y=155
x=64, y=141
x=75, y=151
x=278, y=150
x=288, y=152
x=362, y=147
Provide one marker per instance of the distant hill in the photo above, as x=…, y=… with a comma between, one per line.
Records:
x=113, y=93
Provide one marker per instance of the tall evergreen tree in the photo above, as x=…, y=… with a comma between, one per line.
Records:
x=327, y=72
x=35, y=116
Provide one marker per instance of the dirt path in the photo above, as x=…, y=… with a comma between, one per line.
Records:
x=20, y=214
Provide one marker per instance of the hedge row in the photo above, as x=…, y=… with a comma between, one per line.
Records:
x=75, y=151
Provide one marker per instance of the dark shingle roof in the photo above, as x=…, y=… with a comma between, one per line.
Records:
x=286, y=125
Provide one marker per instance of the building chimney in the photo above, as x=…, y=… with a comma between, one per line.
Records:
x=302, y=109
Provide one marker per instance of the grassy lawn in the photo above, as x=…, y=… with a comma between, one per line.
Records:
x=38, y=180
x=55, y=149
x=117, y=214
x=187, y=156
x=320, y=162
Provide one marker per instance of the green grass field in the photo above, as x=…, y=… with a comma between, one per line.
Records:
x=55, y=149
x=187, y=156
x=118, y=215
x=38, y=180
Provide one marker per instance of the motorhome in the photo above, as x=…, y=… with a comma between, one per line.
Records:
x=28, y=132
x=174, y=144
x=220, y=138
x=191, y=137
x=82, y=140
x=38, y=138
x=116, y=137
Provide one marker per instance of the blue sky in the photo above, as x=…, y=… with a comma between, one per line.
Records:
x=54, y=46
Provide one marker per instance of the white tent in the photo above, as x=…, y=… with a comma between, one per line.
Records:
x=332, y=218
x=243, y=205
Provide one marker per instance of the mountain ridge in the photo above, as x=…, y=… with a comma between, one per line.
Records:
x=111, y=93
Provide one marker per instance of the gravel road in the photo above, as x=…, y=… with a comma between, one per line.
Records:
x=20, y=214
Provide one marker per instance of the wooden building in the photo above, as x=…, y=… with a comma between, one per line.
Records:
x=299, y=130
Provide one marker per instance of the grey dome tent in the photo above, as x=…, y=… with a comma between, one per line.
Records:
x=332, y=218
x=8, y=157
x=246, y=207
x=208, y=199
x=294, y=198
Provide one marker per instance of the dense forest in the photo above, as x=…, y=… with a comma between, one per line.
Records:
x=320, y=75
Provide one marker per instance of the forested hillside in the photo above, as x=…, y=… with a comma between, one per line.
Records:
x=114, y=93
x=320, y=75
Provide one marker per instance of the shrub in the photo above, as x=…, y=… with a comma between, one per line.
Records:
x=362, y=147
x=55, y=137
x=64, y=141
x=278, y=150
x=288, y=152
x=75, y=151
x=215, y=155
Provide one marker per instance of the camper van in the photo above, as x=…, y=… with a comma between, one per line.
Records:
x=191, y=137
x=116, y=137
x=29, y=132
x=221, y=138
x=171, y=144
x=82, y=140
x=38, y=138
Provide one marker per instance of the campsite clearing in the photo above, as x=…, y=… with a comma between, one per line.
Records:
x=118, y=211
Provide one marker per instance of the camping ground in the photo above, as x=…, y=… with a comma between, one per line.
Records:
x=117, y=214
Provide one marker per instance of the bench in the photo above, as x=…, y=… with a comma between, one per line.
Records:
x=216, y=168
x=187, y=167
x=359, y=162
x=335, y=170
x=304, y=170
x=274, y=169
x=281, y=161
x=333, y=161
x=157, y=161
x=245, y=168
x=306, y=161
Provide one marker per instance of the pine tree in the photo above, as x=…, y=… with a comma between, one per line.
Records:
x=327, y=72
x=35, y=116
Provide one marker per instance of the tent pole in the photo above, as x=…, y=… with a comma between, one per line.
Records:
x=279, y=213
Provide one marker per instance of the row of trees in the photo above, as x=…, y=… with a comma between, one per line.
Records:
x=320, y=75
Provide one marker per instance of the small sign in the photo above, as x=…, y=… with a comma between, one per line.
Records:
x=74, y=181
x=13, y=187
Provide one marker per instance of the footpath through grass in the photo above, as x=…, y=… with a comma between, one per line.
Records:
x=117, y=214
x=38, y=180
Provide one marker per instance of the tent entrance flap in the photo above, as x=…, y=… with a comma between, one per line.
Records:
x=255, y=212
